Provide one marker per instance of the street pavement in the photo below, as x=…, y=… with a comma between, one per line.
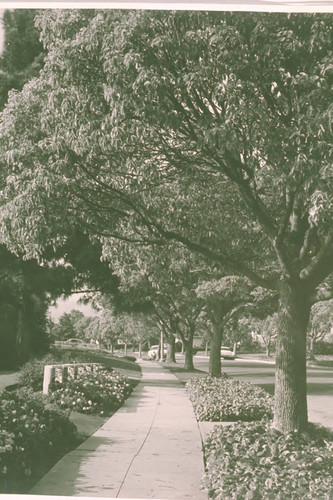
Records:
x=150, y=448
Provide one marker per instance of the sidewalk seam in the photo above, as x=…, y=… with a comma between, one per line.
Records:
x=142, y=445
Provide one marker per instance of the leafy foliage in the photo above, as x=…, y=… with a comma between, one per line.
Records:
x=101, y=392
x=253, y=462
x=66, y=327
x=23, y=54
x=225, y=399
x=321, y=323
x=230, y=155
x=33, y=432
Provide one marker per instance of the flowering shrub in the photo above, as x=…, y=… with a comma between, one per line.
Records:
x=32, y=430
x=9, y=453
x=253, y=461
x=32, y=372
x=103, y=392
x=227, y=399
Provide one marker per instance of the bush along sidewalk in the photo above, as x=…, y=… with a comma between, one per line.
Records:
x=227, y=400
x=32, y=372
x=252, y=461
x=36, y=430
x=35, y=433
x=101, y=392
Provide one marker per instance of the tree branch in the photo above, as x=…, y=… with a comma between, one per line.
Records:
x=321, y=264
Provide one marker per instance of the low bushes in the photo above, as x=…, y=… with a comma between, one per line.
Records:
x=36, y=430
x=32, y=372
x=227, y=399
x=34, y=433
x=252, y=461
x=103, y=392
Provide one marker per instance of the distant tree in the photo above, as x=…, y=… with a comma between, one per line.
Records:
x=266, y=331
x=67, y=326
x=321, y=324
x=161, y=279
x=237, y=333
x=224, y=299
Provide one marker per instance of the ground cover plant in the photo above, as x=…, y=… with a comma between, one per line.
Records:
x=35, y=433
x=101, y=392
x=227, y=399
x=253, y=461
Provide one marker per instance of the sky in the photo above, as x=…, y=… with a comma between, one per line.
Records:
x=66, y=305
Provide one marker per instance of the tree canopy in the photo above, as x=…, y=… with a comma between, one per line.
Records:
x=22, y=55
x=211, y=129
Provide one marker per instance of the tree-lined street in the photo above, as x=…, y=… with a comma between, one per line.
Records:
x=175, y=168
x=262, y=373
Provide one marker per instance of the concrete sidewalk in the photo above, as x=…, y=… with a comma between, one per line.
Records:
x=150, y=448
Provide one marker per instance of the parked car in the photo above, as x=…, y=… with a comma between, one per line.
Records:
x=227, y=353
x=153, y=352
x=76, y=343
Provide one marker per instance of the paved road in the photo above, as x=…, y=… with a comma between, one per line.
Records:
x=320, y=383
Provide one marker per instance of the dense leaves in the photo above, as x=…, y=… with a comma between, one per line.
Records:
x=209, y=128
x=101, y=392
x=225, y=399
x=34, y=431
x=252, y=461
x=23, y=54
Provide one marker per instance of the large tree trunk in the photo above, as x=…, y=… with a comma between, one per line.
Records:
x=215, y=352
x=188, y=365
x=188, y=345
x=290, y=410
x=171, y=349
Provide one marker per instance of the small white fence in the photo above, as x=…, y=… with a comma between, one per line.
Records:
x=61, y=373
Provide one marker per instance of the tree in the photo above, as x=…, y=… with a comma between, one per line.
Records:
x=266, y=331
x=320, y=324
x=23, y=331
x=161, y=281
x=23, y=54
x=66, y=328
x=239, y=331
x=224, y=298
x=230, y=155
x=26, y=291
